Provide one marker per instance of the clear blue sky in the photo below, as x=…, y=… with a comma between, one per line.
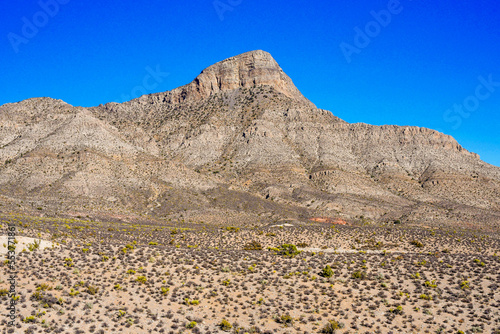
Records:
x=409, y=68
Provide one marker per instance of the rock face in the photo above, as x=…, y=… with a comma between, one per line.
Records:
x=248, y=70
x=238, y=143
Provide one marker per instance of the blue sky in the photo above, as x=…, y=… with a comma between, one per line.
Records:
x=426, y=63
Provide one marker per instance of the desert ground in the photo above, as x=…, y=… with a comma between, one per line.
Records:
x=191, y=277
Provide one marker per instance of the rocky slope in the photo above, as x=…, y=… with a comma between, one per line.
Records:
x=240, y=143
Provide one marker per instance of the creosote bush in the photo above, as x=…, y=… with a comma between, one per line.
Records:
x=287, y=250
x=417, y=243
x=326, y=272
x=225, y=325
x=253, y=245
x=92, y=290
x=141, y=279
x=358, y=275
x=34, y=246
x=331, y=327
x=397, y=310
x=191, y=324
x=285, y=319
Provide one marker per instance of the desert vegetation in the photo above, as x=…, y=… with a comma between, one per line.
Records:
x=308, y=277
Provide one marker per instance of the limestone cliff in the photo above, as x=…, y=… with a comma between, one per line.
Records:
x=248, y=70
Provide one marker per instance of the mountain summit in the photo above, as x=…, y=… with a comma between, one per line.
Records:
x=247, y=70
x=240, y=144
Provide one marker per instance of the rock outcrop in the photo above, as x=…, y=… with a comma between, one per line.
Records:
x=248, y=70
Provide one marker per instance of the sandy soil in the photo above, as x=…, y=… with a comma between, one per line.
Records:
x=22, y=243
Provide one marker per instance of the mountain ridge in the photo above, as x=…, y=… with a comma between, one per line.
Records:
x=240, y=129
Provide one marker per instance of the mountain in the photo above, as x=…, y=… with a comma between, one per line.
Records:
x=239, y=144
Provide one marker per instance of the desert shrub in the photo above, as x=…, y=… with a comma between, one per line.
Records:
x=29, y=319
x=253, y=245
x=480, y=263
x=331, y=327
x=425, y=297
x=225, y=325
x=34, y=246
x=191, y=324
x=92, y=290
x=302, y=245
x=417, y=243
x=287, y=250
x=68, y=262
x=430, y=284
x=37, y=295
x=72, y=292
x=141, y=279
x=397, y=310
x=358, y=275
x=44, y=287
x=326, y=272
x=285, y=319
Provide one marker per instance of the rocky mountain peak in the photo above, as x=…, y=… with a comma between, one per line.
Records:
x=247, y=70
